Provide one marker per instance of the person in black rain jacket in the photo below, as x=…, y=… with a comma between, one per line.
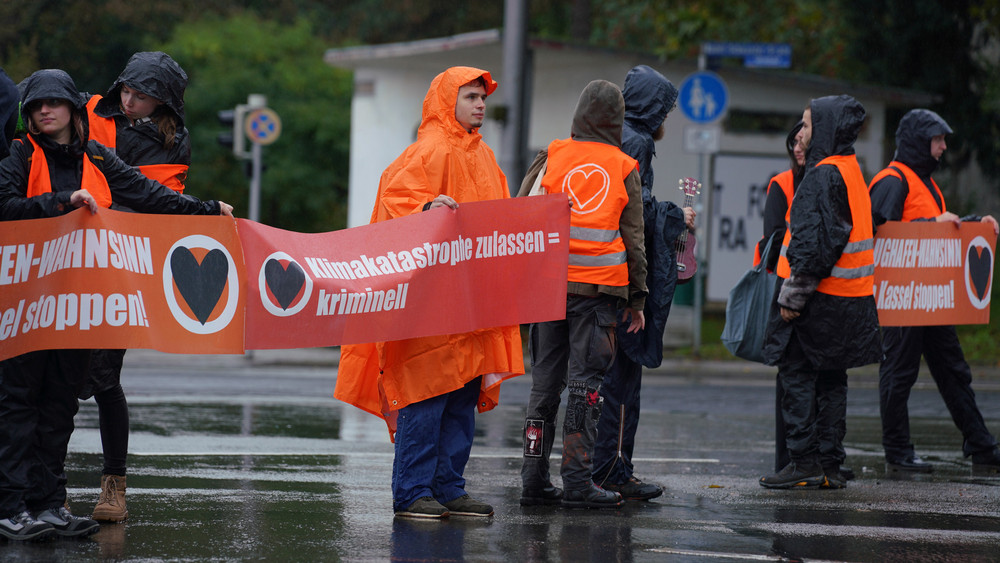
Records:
x=649, y=98
x=823, y=320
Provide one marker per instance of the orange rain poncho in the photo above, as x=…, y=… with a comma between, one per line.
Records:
x=384, y=377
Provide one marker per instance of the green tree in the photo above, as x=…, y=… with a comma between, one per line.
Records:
x=304, y=186
x=944, y=47
x=674, y=29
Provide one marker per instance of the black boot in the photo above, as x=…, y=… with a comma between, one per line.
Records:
x=986, y=463
x=536, y=482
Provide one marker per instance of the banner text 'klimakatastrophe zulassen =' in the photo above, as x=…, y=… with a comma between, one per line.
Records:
x=442, y=271
x=210, y=285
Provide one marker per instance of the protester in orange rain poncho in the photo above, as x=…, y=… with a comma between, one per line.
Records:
x=427, y=389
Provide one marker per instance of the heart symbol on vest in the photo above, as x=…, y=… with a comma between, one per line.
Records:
x=980, y=266
x=285, y=282
x=201, y=285
x=587, y=190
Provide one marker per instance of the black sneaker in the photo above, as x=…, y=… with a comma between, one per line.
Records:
x=795, y=476
x=23, y=527
x=986, y=463
x=66, y=524
x=591, y=497
x=847, y=473
x=424, y=507
x=635, y=489
x=549, y=494
x=909, y=464
x=468, y=506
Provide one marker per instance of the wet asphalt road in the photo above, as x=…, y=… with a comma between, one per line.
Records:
x=235, y=459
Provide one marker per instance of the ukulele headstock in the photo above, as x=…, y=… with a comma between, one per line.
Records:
x=690, y=186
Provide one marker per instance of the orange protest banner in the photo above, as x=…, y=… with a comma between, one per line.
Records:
x=488, y=263
x=929, y=273
x=209, y=285
x=121, y=280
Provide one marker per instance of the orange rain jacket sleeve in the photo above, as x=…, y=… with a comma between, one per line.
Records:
x=383, y=377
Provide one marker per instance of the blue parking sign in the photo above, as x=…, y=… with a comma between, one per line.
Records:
x=703, y=97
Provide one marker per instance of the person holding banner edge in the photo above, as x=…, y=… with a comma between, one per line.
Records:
x=428, y=389
x=142, y=118
x=905, y=191
x=53, y=171
x=607, y=268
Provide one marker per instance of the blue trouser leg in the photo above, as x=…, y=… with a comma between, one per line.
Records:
x=616, y=433
x=458, y=427
x=433, y=442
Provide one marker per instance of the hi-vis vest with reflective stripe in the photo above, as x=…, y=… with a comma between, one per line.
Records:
x=919, y=203
x=105, y=131
x=854, y=273
x=39, y=181
x=786, y=181
x=593, y=174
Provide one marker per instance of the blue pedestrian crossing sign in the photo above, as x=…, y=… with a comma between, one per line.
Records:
x=703, y=97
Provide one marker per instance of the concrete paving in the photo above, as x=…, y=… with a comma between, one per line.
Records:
x=237, y=458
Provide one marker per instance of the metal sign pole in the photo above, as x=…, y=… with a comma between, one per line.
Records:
x=256, y=158
x=699, y=275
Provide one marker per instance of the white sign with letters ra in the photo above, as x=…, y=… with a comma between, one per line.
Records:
x=737, y=217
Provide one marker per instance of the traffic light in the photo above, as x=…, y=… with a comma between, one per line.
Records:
x=235, y=138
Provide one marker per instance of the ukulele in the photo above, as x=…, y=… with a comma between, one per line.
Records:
x=687, y=262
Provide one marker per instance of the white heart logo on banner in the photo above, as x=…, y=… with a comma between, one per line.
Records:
x=588, y=192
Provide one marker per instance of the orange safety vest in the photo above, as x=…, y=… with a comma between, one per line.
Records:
x=593, y=174
x=785, y=180
x=919, y=204
x=40, y=183
x=105, y=131
x=170, y=175
x=853, y=275
x=102, y=129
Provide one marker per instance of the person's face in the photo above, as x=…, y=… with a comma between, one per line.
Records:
x=137, y=105
x=470, y=109
x=661, y=130
x=52, y=117
x=938, y=146
x=806, y=133
x=799, y=151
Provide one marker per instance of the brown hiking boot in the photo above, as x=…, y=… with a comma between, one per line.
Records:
x=111, y=504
